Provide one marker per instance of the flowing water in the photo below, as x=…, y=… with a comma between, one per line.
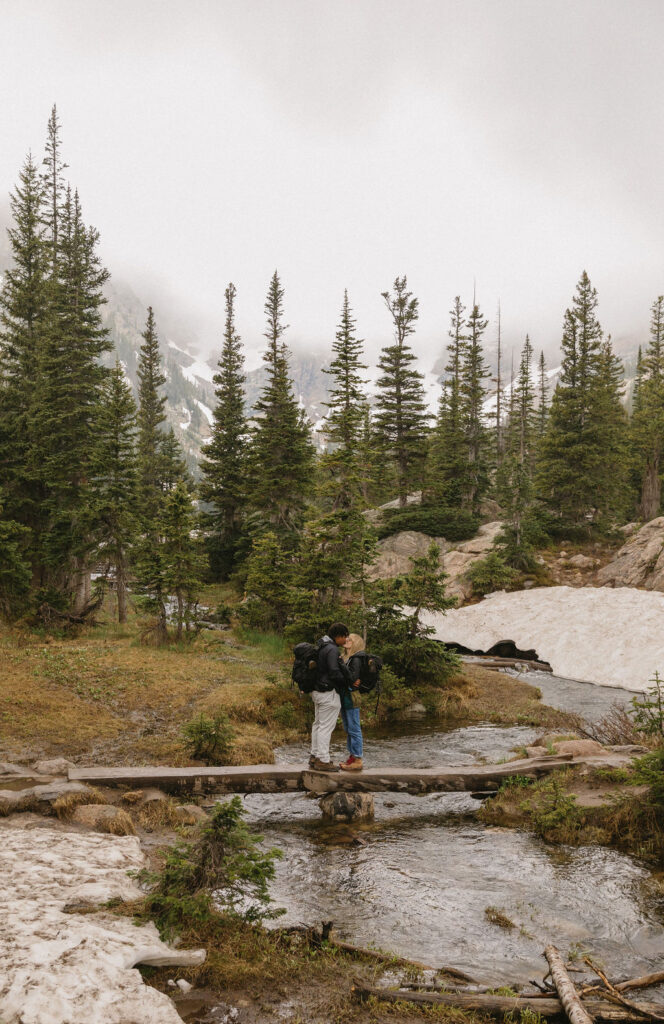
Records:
x=419, y=881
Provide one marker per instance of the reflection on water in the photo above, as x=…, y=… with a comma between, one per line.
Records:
x=427, y=870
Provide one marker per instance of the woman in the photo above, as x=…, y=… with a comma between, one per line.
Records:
x=350, y=705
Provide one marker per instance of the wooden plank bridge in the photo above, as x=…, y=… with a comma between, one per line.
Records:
x=270, y=778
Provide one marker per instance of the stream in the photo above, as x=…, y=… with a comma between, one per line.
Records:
x=426, y=869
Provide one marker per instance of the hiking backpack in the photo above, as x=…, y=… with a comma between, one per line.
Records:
x=370, y=666
x=305, y=667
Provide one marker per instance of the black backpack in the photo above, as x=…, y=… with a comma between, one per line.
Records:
x=305, y=667
x=370, y=666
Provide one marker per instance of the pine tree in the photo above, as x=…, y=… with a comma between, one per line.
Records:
x=151, y=416
x=271, y=595
x=172, y=466
x=402, y=418
x=515, y=474
x=115, y=481
x=223, y=462
x=23, y=312
x=447, y=459
x=182, y=557
x=647, y=425
x=581, y=470
x=347, y=397
x=69, y=394
x=543, y=397
x=281, y=450
x=15, y=574
x=472, y=374
x=54, y=190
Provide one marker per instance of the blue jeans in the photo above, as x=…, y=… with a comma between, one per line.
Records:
x=351, y=722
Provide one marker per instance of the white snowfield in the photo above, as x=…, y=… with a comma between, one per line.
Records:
x=58, y=968
x=597, y=635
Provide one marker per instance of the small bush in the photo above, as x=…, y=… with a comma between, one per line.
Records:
x=435, y=520
x=491, y=573
x=209, y=739
x=648, y=713
x=650, y=771
x=223, y=873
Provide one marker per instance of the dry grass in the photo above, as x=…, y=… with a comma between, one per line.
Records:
x=485, y=695
x=65, y=806
x=158, y=814
x=120, y=825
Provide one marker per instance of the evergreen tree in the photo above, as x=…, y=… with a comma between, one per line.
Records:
x=54, y=190
x=182, y=558
x=69, y=391
x=543, y=397
x=447, y=459
x=23, y=312
x=515, y=474
x=401, y=419
x=472, y=374
x=115, y=481
x=647, y=426
x=281, y=451
x=172, y=466
x=347, y=398
x=15, y=574
x=271, y=594
x=223, y=462
x=151, y=416
x=582, y=465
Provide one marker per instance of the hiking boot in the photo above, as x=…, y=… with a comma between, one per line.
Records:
x=312, y=761
x=349, y=760
x=353, y=764
x=324, y=766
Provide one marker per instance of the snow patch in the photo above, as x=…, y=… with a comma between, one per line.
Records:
x=57, y=967
x=593, y=634
x=207, y=412
x=197, y=372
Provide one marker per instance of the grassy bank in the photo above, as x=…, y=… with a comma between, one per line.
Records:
x=581, y=806
x=101, y=695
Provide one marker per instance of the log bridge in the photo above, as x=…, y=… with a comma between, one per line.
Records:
x=270, y=778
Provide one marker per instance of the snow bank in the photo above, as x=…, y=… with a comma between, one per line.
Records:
x=57, y=968
x=597, y=635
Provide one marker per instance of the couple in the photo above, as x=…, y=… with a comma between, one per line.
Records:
x=336, y=689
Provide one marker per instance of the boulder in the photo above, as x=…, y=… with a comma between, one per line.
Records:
x=348, y=806
x=190, y=814
x=37, y=798
x=582, y=562
x=577, y=748
x=54, y=766
x=640, y=561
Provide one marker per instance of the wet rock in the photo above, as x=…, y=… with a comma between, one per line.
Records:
x=54, y=766
x=577, y=748
x=348, y=806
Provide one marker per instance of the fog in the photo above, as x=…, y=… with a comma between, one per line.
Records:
x=502, y=146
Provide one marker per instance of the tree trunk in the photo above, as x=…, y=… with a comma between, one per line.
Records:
x=121, y=587
x=83, y=588
x=651, y=490
x=565, y=988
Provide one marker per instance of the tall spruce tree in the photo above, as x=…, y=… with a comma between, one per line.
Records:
x=23, y=313
x=647, y=425
x=542, y=396
x=151, y=416
x=69, y=394
x=281, y=451
x=581, y=473
x=115, y=482
x=223, y=463
x=447, y=458
x=402, y=417
x=182, y=557
x=472, y=375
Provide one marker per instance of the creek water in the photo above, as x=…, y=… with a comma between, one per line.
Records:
x=427, y=870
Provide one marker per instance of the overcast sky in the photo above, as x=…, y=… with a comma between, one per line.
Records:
x=508, y=142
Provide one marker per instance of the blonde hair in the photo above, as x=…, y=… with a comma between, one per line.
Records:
x=355, y=646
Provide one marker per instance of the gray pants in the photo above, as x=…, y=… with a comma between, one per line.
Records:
x=327, y=707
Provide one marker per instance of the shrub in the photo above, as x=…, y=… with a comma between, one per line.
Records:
x=453, y=524
x=491, y=573
x=650, y=771
x=223, y=873
x=648, y=713
x=209, y=739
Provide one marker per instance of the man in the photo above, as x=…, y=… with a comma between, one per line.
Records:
x=332, y=677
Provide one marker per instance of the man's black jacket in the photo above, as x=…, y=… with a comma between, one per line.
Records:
x=332, y=673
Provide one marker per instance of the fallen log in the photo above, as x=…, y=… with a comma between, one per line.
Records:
x=493, y=1005
x=646, y=981
x=647, y=1012
x=565, y=988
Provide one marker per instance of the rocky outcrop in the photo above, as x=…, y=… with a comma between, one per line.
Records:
x=395, y=553
x=640, y=561
x=348, y=806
